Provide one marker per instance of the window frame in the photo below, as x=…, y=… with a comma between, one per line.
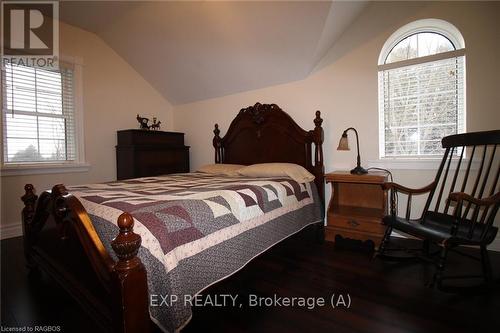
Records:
x=440, y=27
x=437, y=26
x=42, y=167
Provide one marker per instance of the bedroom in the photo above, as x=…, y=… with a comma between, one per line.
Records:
x=194, y=64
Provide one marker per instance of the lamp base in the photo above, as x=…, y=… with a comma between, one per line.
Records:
x=359, y=170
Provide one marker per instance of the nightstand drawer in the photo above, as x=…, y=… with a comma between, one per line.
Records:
x=355, y=223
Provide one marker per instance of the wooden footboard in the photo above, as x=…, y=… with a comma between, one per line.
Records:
x=60, y=240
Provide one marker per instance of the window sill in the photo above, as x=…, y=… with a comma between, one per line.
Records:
x=41, y=169
x=415, y=164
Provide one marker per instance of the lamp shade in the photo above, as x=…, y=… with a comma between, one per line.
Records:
x=343, y=143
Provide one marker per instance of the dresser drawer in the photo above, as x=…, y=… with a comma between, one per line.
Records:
x=356, y=224
x=150, y=162
x=142, y=137
x=142, y=153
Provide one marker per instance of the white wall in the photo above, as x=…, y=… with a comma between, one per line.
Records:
x=113, y=93
x=344, y=85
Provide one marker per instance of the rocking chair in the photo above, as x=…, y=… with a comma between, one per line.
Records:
x=463, y=212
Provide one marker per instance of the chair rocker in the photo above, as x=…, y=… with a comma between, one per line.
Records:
x=463, y=211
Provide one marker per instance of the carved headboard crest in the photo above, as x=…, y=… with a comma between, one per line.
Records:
x=258, y=112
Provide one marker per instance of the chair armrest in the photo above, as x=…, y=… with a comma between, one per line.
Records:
x=394, y=188
x=404, y=189
x=461, y=196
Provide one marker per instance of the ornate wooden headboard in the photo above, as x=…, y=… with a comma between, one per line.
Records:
x=264, y=133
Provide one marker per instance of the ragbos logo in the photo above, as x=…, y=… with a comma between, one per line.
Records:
x=30, y=33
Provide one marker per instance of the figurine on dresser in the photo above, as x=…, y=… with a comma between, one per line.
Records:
x=144, y=123
x=155, y=126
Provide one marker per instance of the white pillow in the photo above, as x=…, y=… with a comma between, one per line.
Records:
x=294, y=171
x=221, y=169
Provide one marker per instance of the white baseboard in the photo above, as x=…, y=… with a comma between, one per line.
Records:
x=495, y=246
x=11, y=230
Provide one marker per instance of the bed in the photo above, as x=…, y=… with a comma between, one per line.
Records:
x=120, y=248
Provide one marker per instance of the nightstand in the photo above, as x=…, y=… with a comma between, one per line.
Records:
x=356, y=207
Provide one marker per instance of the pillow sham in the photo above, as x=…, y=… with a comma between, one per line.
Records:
x=221, y=169
x=294, y=171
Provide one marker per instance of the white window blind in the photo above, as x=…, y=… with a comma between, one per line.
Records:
x=38, y=115
x=421, y=101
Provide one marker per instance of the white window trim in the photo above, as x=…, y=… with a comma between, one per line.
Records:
x=425, y=25
x=42, y=168
x=80, y=164
x=417, y=163
x=421, y=60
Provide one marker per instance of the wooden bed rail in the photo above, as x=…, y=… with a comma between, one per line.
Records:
x=59, y=217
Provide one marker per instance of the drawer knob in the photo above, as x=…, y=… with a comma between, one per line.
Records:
x=353, y=223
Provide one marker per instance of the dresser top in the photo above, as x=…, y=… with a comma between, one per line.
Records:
x=149, y=132
x=138, y=137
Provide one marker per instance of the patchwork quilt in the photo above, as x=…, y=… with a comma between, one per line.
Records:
x=198, y=228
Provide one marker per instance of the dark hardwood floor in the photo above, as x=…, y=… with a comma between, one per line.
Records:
x=384, y=297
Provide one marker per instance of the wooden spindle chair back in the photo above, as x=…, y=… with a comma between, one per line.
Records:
x=461, y=206
x=471, y=164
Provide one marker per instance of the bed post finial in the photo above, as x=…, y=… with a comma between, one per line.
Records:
x=29, y=198
x=319, y=168
x=127, y=243
x=217, y=142
x=318, y=140
x=28, y=213
x=129, y=280
x=318, y=121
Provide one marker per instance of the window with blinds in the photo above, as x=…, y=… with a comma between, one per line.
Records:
x=38, y=115
x=422, y=85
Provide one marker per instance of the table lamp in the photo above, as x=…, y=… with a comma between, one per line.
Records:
x=344, y=145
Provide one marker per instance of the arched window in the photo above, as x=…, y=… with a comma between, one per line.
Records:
x=421, y=89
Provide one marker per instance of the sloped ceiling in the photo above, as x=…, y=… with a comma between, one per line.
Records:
x=192, y=51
